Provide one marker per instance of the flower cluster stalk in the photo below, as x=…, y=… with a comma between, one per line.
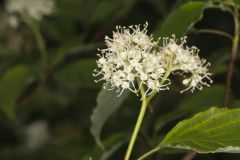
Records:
x=145, y=102
x=136, y=129
x=133, y=56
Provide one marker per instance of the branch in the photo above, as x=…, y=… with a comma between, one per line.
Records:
x=235, y=42
x=190, y=155
x=213, y=31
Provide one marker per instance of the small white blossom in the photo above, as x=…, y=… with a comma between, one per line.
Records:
x=186, y=59
x=131, y=55
x=35, y=9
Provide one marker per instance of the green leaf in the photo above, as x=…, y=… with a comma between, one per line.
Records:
x=107, y=155
x=73, y=47
x=78, y=73
x=201, y=100
x=181, y=19
x=112, y=144
x=108, y=9
x=11, y=84
x=237, y=2
x=215, y=130
x=217, y=59
x=107, y=103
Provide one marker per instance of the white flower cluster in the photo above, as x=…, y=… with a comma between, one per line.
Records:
x=35, y=9
x=131, y=55
x=186, y=60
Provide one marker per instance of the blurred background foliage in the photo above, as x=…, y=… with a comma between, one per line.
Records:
x=45, y=113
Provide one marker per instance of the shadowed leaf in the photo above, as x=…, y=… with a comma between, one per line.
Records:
x=181, y=19
x=107, y=104
x=11, y=84
x=215, y=130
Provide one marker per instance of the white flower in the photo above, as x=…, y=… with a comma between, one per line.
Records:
x=35, y=9
x=186, y=59
x=131, y=55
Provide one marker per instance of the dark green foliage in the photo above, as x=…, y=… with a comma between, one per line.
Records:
x=71, y=112
x=181, y=20
x=215, y=130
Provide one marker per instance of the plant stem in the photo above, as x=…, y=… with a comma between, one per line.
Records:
x=167, y=73
x=214, y=31
x=149, y=153
x=145, y=102
x=190, y=155
x=39, y=39
x=235, y=42
x=136, y=129
x=161, y=83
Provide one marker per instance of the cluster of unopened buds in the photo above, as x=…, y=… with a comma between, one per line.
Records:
x=133, y=60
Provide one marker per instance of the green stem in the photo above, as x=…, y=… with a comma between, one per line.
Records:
x=214, y=31
x=39, y=39
x=167, y=73
x=145, y=102
x=236, y=34
x=149, y=98
x=149, y=153
x=136, y=129
x=235, y=42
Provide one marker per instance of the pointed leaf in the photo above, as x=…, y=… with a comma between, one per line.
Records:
x=186, y=108
x=237, y=2
x=107, y=103
x=77, y=74
x=215, y=130
x=112, y=144
x=107, y=155
x=181, y=19
x=11, y=84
